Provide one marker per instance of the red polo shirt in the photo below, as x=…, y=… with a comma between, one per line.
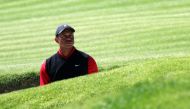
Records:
x=45, y=79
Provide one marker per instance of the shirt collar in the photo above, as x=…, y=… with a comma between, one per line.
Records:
x=66, y=57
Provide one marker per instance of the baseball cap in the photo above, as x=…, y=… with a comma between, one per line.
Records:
x=63, y=27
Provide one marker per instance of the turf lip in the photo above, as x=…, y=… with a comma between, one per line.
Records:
x=19, y=81
x=15, y=82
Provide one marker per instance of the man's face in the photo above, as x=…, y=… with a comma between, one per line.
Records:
x=65, y=39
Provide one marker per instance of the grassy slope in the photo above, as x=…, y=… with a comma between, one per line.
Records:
x=157, y=83
x=113, y=32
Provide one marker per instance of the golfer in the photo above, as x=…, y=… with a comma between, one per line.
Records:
x=68, y=62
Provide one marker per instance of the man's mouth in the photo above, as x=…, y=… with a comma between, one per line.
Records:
x=69, y=42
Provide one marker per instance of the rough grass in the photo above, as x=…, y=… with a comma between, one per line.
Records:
x=18, y=81
x=156, y=83
x=113, y=32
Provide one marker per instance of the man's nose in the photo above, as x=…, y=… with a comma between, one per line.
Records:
x=68, y=36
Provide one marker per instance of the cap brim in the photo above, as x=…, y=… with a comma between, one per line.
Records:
x=68, y=28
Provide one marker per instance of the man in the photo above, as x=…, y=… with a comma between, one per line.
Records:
x=68, y=62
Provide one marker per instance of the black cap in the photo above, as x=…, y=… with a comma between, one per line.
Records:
x=63, y=27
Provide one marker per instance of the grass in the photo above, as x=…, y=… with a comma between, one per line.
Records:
x=149, y=83
x=18, y=81
x=147, y=37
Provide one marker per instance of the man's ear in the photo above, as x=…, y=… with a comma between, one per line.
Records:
x=56, y=40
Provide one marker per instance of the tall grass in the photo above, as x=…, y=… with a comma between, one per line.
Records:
x=151, y=83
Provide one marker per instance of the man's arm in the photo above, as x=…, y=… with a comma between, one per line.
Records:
x=92, y=66
x=44, y=78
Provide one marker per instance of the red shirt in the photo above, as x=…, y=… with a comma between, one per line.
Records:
x=44, y=78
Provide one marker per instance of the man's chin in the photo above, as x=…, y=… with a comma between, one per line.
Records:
x=68, y=46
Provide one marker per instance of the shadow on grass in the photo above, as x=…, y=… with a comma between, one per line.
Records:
x=14, y=82
x=101, y=69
